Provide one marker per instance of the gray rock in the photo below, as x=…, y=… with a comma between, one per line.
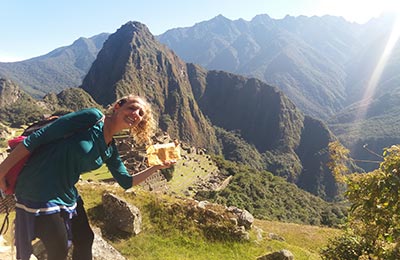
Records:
x=245, y=219
x=103, y=250
x=281, y=255
x=121, y=215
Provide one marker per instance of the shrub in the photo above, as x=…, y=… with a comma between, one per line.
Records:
x=374, y=220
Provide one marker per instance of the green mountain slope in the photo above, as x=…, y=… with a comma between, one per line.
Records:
x=270, y=197
x=62, y=68
x=368, y=128
x=266, y=119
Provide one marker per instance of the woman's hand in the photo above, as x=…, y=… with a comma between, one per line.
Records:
x=166, y=164
x=141, y=176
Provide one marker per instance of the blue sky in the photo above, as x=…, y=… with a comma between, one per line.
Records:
x=30, y=28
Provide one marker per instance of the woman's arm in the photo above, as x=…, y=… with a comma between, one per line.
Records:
x=62, y=127
x=12, y=159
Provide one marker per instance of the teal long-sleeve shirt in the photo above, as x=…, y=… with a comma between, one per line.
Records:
x=61, y=152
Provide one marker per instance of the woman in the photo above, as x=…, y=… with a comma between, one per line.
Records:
x=48, y=205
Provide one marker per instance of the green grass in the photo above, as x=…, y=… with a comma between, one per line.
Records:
x=301, y=236
x=157, y=246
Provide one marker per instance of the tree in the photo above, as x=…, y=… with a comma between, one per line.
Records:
x=339, y=158
x=374, y=217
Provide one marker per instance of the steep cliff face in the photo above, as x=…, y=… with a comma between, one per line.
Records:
x=264, y=116
x=133, y=62
x=313, y=153
x=293, y=145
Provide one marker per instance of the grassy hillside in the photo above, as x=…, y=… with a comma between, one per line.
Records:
x=272, y=198
x=160, y=238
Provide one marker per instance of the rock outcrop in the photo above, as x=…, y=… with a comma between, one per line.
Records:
x=121, y=215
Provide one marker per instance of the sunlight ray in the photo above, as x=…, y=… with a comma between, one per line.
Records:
x=373, y=82
x=379, y=68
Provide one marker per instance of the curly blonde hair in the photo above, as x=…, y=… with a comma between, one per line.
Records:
x=145, y=130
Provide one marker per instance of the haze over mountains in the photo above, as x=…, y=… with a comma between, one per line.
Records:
x=327, y=66
x=322, y=63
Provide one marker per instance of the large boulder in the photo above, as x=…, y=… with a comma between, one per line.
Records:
x=244, y=217
x=102, y=250
x=121, y=215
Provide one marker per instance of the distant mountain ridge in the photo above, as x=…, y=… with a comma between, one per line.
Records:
x=62, y=68
x=317, y=61
x=305, y=57
x=325, y=65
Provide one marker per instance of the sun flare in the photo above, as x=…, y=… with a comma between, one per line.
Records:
x=374, y=78
x=392, y=40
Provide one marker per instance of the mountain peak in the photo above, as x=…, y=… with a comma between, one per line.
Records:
x=218, y=20
x=220, y=17
x=262, y=18
x=117, y=54
x=134, y=28
x=81, y=41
